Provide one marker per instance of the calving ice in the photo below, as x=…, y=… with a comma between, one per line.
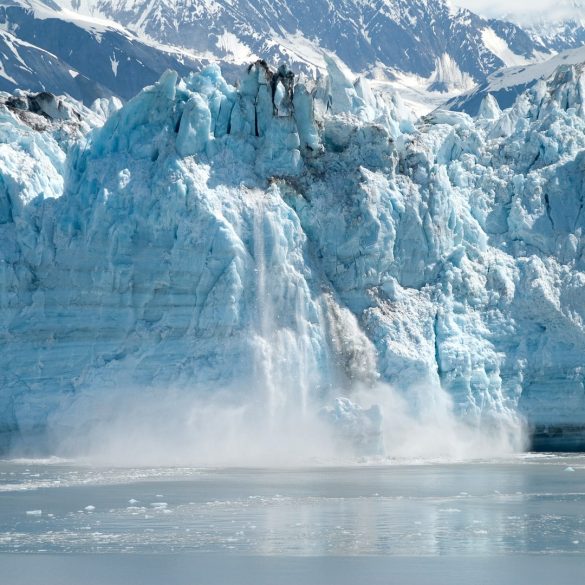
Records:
x=290, y=267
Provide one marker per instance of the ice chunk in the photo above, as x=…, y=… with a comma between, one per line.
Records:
x=195, y=127
x=344, y=97
x=489, y=108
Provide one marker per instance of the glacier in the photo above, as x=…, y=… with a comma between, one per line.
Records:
x=290, y=250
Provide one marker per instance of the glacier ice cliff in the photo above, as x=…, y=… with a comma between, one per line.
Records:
x=293, y=243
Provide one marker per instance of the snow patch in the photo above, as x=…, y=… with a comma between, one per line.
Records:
x=229, y=44
x=114, y=62
x=447, y=76
x=500, y=48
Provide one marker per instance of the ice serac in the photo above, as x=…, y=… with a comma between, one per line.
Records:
x=296, y=244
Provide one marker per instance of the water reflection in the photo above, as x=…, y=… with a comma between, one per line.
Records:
x=522, y=506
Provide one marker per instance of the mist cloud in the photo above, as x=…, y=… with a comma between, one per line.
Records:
x=527, y=11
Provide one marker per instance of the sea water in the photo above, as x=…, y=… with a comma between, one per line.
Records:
x=517, y=520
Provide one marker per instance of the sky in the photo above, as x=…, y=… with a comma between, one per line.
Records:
x=525, y=11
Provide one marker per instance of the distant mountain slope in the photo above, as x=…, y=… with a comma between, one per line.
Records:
x=115, y=47
x=45, y=49
x=558, y=26
x=507, y=84
x=559, y=36
x=24, y=65
x=405, y=35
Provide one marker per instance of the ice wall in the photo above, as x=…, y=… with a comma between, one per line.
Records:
x=293, y=242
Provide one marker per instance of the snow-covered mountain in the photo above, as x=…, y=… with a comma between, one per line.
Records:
x=25, y=65
x=556, y=24
x=43, y=47
x=422, y=44
x=297, y=247
x=409, y=36
x=560, y=36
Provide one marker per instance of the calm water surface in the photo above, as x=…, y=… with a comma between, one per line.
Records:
x=518, y=521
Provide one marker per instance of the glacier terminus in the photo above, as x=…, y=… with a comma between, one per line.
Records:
x=291, y=257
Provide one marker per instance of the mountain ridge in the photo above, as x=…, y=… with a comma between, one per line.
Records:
x=440, y=49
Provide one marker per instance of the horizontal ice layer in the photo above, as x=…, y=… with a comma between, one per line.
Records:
x=291, y=241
